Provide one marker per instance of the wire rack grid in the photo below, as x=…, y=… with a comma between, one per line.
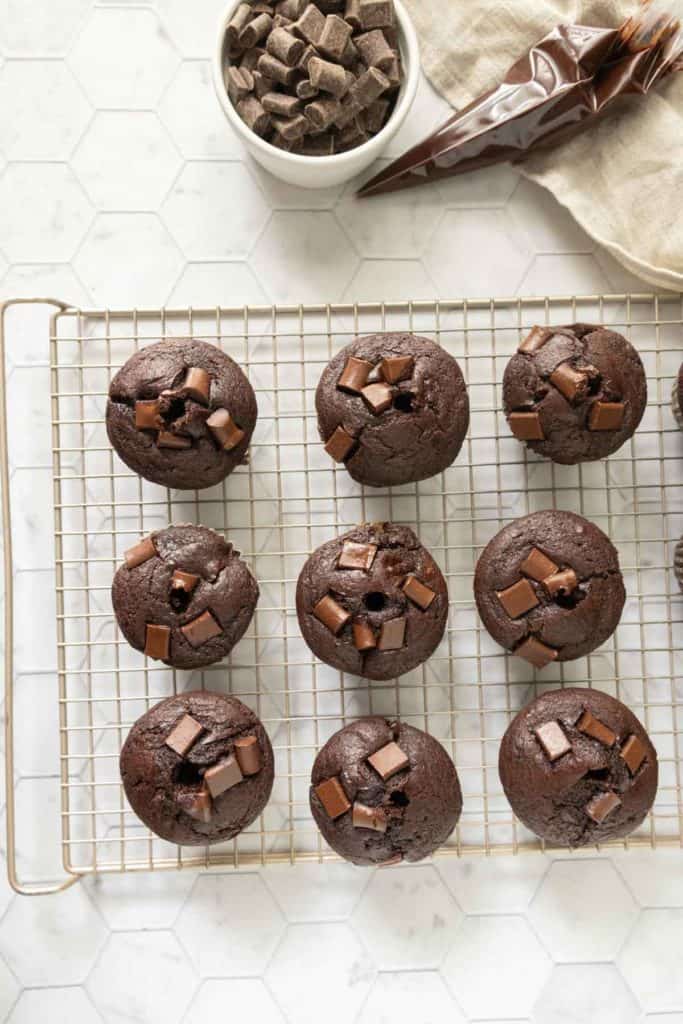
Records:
x=290, y=499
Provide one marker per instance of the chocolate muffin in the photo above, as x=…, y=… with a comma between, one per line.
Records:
x=372, y=602
x=578, y=768
x=574, y=394
x=393, y=408
x=183, y=596
x=197, y=768
x=677, y=398
x=548, y=587
x=181, y=413
x=678, y=563
x=382, y=792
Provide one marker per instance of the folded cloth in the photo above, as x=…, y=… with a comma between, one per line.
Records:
x=622, y=179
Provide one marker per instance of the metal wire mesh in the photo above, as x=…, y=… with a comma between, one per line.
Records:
x=289, y=500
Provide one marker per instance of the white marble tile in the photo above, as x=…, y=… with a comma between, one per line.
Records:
x=193, y=28
x=583, y=993
x=205, y=216
x=217, y=284
x=654, y=877
x=493, y=885
x=489, y=186
x=304, y=257
x=41, y=28
x=58, y=1005
x=477, y=253
x=428, y=112
x=125, y=900
x=398, y=225
x=27, y=337
x=398, y=940
x=38, y=829
x=390, y=281
x=142, y=976
x=34, y=590
x=281, y=196
x=53, y=940
x=549, y=225
x=43, y=111
x=123, y=58
x=247, y=998
x=229, y=925
x=6, y=892
x=410, y=997
x=563, y=911
x=191, y=112
x=316, y=892
x=651, y=961
x=313, y=961
x=126, y=161
x=496, y=967
x=129, y=259
x=32, y=491
x=44, y=212
x=568, y=275
x=9, y=990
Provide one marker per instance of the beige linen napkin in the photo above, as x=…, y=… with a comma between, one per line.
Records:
x=622, y=179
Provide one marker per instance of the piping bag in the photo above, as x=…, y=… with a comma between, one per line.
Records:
x=567, y=79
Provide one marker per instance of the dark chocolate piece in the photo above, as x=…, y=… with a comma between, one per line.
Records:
x=591, y=726
x=185, y=581
x=392, y=634
x=339, y=445
x=333, y=798
x=224, y=429
x=331, y=614
x=535, y=340
x=276, y=70
x=376, y=14
x=237, y=83
x=237, y=24
x=526, y=426
x=606, y=416
x=165, y=439
x=355, y=375
x=536, y=653
x=374, y=50
x=392, y=862
x=257, y=29
x=285, y=46
x=197, y=805
x=322, y=112
x=142, y=552
x=369, y=87
x=364, y=638
x=309, y=25
x=201, y=629
x=357, y=556
x=248, y=754
x=417, y=592
x=518, y=599
x=552, y=738
x=369, y=817
x=564, y=582
x=148, y=415
x=601, y=806
x=633, y=753
x=389, y=760
x=396, y=368
x=334, y=37
x=197, y=385
x=157, y=641
x=223, y=776
x=252, y=113
x=379, y=397
x=291, y=129
x=280, y=104
x=571, y=383
x=327, y=76
x=184, y=735
x=538, y=566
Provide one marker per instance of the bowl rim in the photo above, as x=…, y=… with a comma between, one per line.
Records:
x=411, y=60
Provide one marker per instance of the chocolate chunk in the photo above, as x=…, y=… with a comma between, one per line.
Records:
x=355, y=375
x=526, y=426
x=391, y=635
x=573, y=384
x=606, y=416
x=320, y=144
x=350, y=109
x=281, y=104
x=392, y=862
x=148, y=415
x=223, y=776
x=262, y=85
x=184, y=735
x=389, y=760
x=157, y=641
x=564, y=582
x=254, y=116
x=379, y=397
x=538, y=566
x=333, y=798
x=327, y=77
x=535, y=340
x=289, y=145
x=396, y=368
x=339, y=445
x=201, y=629
x=292, y=128
x=276, y=69
x=305, y=90
x=292, y=8
x=369, y=817
x=352, y=14
x=197, y=385
x=309, y=53
x=197, y=805
x=597, y=730
x=322, y=112
x=310, y=25
x=334, y=37
x=142, y=552
x=331, y=614
x=285, y=46
x=255, y=31
x=165, y=439
x=248, y=754
x=224, y=429
x=536, y=653
x=369, y=87
x=518, y=599
x=376, y=13
x=357, y=556
x=186, y=581
x=633, y=753
x=552, y=738
x=237, y=24
x=237, y=83
x=601, y=806
x=374, y=50
x=418, y=593
x=376, y=115
x=251, y=59
x=364, y=638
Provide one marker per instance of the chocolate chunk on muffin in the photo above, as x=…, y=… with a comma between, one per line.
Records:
x=184, y=596
x=548, y=587
x=181, y=413
x=677, y=398
x=197, y=768
x=372, y=602
x=392, y=408
x=574, y=394
x=578, y=768
x=678, y=563
x=383, y=792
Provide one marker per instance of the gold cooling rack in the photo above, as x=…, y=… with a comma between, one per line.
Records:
x=289, y=500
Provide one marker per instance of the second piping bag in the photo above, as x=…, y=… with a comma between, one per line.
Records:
x=568, y=78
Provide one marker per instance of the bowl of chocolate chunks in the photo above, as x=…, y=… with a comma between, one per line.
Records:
x=316, y=91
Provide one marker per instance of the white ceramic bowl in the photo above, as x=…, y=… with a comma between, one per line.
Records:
x=324, y=171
